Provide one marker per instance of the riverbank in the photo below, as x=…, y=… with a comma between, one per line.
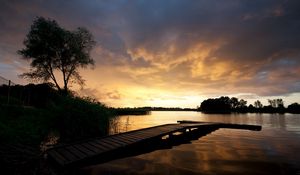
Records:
x=38, y=116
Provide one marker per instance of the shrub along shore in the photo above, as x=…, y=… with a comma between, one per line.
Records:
x=33, y=116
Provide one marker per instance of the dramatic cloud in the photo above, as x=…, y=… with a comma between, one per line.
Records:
x=171, y=52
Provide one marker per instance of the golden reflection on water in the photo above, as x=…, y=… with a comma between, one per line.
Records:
x=274, y=150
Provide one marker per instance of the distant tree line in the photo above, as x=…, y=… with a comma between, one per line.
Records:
x=225, y=104
x=130, y=111
x=147, y=110
x=167, y=109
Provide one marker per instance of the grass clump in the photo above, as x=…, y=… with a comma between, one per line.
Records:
x=26, y=125
x=34, y=111
x=78, y=118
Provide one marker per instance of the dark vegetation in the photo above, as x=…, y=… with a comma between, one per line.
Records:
x=228, y=105
x=130, y=111
x=33, y=111
x=35, y=115
x=147, y=110
x=167, y=109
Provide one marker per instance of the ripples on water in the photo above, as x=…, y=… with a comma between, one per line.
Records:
x=274, y=150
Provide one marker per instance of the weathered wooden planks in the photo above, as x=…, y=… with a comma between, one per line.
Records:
x=78, y=152
x=225, y=125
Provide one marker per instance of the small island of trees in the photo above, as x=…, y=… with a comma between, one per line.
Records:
x=225, y=104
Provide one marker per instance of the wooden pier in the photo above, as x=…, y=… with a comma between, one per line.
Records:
x=110, y=147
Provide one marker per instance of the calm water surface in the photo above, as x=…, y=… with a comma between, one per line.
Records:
x=274, y=150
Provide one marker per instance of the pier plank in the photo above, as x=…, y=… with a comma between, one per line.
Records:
x=109, y=146
x=131, y=137
x=57, y=157
x=90, y=147
x=64, y=152
x=125, y=139
x=100, y=147
x=114, y=142
x=119, y=140
x=84, y=149
x=76, y=152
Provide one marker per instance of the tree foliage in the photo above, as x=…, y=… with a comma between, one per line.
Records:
x=258, y=104
x=52, y=48
x=276, y=103
x=222, y=104
x=227, y=105
x=294, y=108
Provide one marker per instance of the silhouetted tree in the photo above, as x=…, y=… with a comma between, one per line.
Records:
x=242, y=103
x=258, y=104
x=251, y=108
x=234, y=102
x=279, y=103
x=217, y=105
x=272, y=103
x=276, y=103
x=52, y=48
x=294, y=108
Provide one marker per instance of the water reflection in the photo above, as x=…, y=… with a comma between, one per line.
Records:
x=154, y=144
x=281, y=121
x=274, y=150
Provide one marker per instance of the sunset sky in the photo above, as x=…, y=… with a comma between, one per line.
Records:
x=171, y=52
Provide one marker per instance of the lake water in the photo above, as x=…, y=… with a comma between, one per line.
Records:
x=273, y=150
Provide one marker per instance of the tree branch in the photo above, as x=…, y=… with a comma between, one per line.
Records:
x=52, y=76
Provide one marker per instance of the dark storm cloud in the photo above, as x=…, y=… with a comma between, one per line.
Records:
x=150, y=23
x=264, y=33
